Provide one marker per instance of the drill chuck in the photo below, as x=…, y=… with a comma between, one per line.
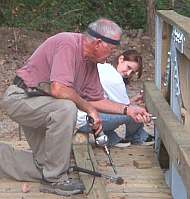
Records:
x=101, y=139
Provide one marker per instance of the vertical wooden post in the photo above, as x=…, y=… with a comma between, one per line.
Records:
x=184, y=76
x=162, y=42
x=171, y=4
x=166, y=38
x=158, y=51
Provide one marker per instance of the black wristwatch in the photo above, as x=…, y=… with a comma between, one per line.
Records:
x=125, y=110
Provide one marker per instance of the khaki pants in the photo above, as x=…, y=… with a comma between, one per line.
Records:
x=17, y=164
x=48, y=124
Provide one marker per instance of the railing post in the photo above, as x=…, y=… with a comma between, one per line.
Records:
x=158, y=51
x=176, y=183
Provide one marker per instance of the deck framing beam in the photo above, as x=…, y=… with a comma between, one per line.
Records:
x=173, y=134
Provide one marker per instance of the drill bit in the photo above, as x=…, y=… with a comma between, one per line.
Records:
x=153, y=117
x=101, y=140
x=110, y=159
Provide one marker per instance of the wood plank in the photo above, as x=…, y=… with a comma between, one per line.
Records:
x=184, y=77
x=142, y=164
x=11, y=186
x=139, y=185
x=128, y=156
x=123, y=171
x=125, y=162
x=37, y=196
x=140, y=195
x=138, y=188
x=186, y=118
x=181, y=22
x=81, y=152
x=175, y=138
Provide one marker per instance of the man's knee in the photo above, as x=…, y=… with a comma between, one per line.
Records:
x=65, y=109
x=70, y=106
x=69, y=109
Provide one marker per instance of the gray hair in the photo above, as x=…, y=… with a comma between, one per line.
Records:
x=105, y=27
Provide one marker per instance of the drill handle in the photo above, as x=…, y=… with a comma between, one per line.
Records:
x=90, y=120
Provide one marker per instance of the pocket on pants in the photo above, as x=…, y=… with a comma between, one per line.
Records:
x=15, y=91
x=12, y=99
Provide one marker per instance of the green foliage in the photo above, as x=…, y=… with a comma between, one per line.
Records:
x=183, y=7
x=74, y=15
x=71, y=15
x=162, y=4
x=180, y=6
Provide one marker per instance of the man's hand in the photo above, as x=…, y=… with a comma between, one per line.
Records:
x=96, y=122
x=138, y=114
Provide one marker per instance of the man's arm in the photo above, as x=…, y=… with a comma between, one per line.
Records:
x=139, y=114
x=108, y=106
x=61, y=91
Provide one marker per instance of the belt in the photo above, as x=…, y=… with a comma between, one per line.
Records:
x=19, y=82
x=30, y=91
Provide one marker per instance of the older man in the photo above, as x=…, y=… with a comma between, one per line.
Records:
x=68, y=61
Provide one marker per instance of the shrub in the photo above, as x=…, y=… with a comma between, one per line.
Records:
x=71, y=15
x=74, y=15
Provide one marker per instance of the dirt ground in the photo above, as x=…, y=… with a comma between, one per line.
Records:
x=17, y=45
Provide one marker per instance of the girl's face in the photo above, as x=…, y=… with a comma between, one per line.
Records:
x=127, y=68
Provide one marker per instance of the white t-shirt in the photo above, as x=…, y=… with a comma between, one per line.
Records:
x=114, y=88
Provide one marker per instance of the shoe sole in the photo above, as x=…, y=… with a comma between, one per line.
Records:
x=148, y=143
x=47, y=189
x=122, y=145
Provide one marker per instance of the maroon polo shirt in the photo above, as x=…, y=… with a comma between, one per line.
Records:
x=60, y=59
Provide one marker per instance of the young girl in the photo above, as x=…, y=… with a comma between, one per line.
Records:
x=115, y=77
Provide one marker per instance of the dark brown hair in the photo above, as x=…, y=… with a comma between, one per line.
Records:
x=131, y=55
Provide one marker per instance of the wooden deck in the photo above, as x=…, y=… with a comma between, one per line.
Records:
x=137, y=165
x=142, y=180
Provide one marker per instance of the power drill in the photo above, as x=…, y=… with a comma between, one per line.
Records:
x=102, y=140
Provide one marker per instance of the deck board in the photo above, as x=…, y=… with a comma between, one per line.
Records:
x=138, y=182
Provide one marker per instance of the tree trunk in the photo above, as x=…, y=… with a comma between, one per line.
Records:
x=171, y=4
x=151, y=18
x=1, y=16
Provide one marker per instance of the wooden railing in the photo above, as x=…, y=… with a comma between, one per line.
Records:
x=169, y=97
